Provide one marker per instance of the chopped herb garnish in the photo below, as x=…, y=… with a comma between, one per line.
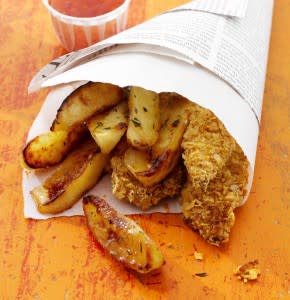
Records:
x=136, y=122
x=164, y=123
x=203, y=274
x=145, y=109
x=175, y=123
x=107, y=128
x=99, y=124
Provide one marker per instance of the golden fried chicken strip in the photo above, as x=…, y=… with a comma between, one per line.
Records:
x=129, y=189
x=211, y=212
x=207, y=146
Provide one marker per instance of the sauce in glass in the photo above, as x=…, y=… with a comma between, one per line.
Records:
x=85, y=8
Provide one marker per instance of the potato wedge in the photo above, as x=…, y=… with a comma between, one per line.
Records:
x=86, y=101
x=153, y=166
x=78, y=173
x=108, y=128
x=144, y=118
x=51, y=148
x=121, y=236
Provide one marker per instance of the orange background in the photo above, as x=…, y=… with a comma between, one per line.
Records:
x=58, y=259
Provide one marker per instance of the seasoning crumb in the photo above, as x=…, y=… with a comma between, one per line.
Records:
x=136, y=122
x=99, y=124
x=198, y=255
x=202, y=274
x=248, y=271
x=175, y=123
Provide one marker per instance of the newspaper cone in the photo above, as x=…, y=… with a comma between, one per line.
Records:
x=211, y=52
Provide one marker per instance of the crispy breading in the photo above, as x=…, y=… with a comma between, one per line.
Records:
x=207, y=146
x=198, y=255
x=211, y=212
x=129, y=189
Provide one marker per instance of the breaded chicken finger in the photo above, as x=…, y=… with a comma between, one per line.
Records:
x=211, y=213
x=207, y=146
x=129, y=189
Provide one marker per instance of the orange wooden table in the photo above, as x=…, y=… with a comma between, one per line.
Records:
x=58, y=259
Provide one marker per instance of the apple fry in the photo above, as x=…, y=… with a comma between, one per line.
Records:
x=121, y=236
x=78, y=173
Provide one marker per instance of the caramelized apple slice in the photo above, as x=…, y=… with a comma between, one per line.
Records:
x=108, y=128
x=77, y=174
x=144, y=118
x=153, y=166
x=121, y=236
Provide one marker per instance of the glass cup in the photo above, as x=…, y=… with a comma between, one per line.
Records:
x=75, y=33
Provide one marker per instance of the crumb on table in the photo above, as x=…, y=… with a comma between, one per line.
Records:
x=248, y=271
x=198, y=255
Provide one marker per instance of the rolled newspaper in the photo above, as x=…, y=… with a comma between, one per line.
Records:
x=213, y=52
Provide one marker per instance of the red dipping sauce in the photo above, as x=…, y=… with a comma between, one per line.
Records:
x=85, y=8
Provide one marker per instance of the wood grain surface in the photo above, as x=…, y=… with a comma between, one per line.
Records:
x=58, y=258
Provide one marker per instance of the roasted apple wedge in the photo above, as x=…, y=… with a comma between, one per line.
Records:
x=78, y=173
x=150, y=167
x=68, y=128
x=84, y=102
x=144, y=118
x=51, y=148
x=121, y=236
x=108, y=128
